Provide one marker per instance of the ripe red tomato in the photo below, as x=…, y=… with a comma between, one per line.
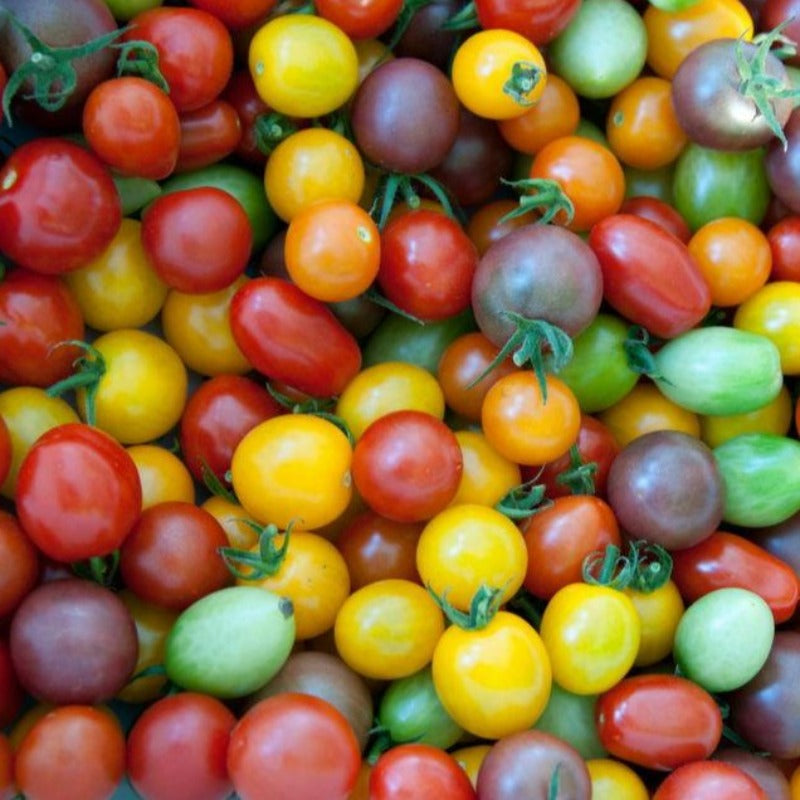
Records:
x=208, y=134
x=19, y=564
x=364, y=20
x=537, y=20
x=11, y=694
x=701, y=780
x=236, y=15
x=78, y=493
x=5, y=451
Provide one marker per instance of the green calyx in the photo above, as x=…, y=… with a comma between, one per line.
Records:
x=253, y=566
x=525, y=77
x=99, y=569
x=392, y=184
x=89, y=369
x=543, y=196
x=579, y=477
x=315, y=406
x=140, y=59
x=646, y=567
x=482, y=608
x=637, y=350
x=522, y=501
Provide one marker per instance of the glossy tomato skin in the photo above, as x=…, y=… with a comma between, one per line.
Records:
x=649, y=275
x=58, y=206
x=703, y=779
x=658, y=721
x=19, y=564
x=659, y=212
x=38, y=312
x=726, y=560
x=419, y=770
x=293, y=745
x=177, y=749
x=78, y=493
x=292, y=338
x=537, y=20
x=207, y=135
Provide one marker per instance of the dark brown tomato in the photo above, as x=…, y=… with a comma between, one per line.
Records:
x=521, y=767
x=776, y=12
x=783, y=541
x=405, y=116
x=424, y=38
x=763, y=771
x=12, y=695
x=171, y=556
x=783, y=165
x=665, y=487
x=85, y=630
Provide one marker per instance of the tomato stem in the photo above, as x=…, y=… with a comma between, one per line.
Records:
x=653, y=566
x=314, y=406
x=525, y=77
x=140, y=58
x=465, y=19
x=637, y=350
x=407, y=12
x=483, y=607
x=522, y=501
x=89, y=369
x=579, y=478
x=540, y=193
x=271, y=129
x=555, y=783
x=374, y=296
x=615, y=569
x=530, y=608
x=214, y=485
x=392, y=183
x=266, y=562
x=100, y=569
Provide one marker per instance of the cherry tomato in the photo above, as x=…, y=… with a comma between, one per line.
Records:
x=696, y=780
x=659, y=212
x=5, y=451
x=784, y=241
x=236, y=15
x=19, y=564
x=486, y=477
x=660, y=611
x=362, y=21
x=207, y=135
x=162, y=474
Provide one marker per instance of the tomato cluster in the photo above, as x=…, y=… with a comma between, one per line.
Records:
x=399, y=400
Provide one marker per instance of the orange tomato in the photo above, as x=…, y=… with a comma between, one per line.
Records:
x=486, y=226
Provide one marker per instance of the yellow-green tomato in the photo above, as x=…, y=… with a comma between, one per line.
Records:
x=465, y=547
x=294, y=468
x=592, y=636
x=493, y=681
x=388, y=629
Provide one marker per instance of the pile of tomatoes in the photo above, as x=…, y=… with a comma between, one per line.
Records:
x=399, y=400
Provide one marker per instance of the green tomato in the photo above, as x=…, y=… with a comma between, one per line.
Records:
x=723, y=639
x=135, y=193
x=410, y=711
x=761, y=475
x=599, y=374
x=588, y=130
x=123, y=10
x=709, y=184
x=401, y=339
x=230, y=642
x=717, y=370
x=602, y=50
x=650, y=182
x=570, y=717
x=242, y=184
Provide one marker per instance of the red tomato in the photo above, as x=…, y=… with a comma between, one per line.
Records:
x=171, y=556
x=38, y=312
x=177, y=749
x=216, y=418
x=407, y=465
x=19, y=564
x=726, y=560
x=59, y=207
x=659, y=212
x=537, y=20
x=78, y=493
x=363, y=20
x=198, y=240
x=5, y=451
x=649, y=275
x=292, y=338
x=784, y=241
x=427, y=264
x=703, y=780
x=11, y=693
x=237, y=14
x=294, y=746
x=208, y=135
x=195, y=52
x=7, y=790
x=658, y=721
x=559, y=537
x=242, y=95
x=133, y=127
x=419, y=771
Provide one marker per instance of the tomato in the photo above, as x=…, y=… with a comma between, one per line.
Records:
x=660, y=611
x=119, y=288
x=242, y=95
x=153, y=624
x=293, y=338
x=498, y=74
x=195, y=52
x=364, y=21
x=783, y=242
x=162, y=475
x=58, y=206
x=310, y=742
x=28, y=413
x=658, y=721
x=558, y=538
x=641, y=126
x=388, y=629
x=525, y=428
x=132, y=125
x=235, y=521
x=207, y=135
x=303, y=66
x=13, y=694
x=487, y=225
x=39, y=314
x=649, y=276
x=486, y=477
x=425, y=770
x=426, y=265
x=19, y=564
x=7, y=789
x=470, y=759
x=78, y=493
x=659, y=212
x=495, y=680
x=696, y=780
x=333, y=250
x=5, y=451
x=589, y=174
x=73, y=751
x=198, y=328
x=236, y=15
x=613, y=780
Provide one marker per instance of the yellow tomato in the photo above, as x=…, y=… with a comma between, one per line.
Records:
x=775, y=417
x=794, y=784
x=659, y=612
x=645, y=409
x=774, y=312
x=162, y=474
x=293, y=468
x=493, y=681
x=119, y=288
x=312, y=164
x=303, y=65
x=612, y=780
x=388, y=629
x=234, y=521
x=498, y=74
x=470, y=760
x=198, y=327
x=465, y=547
x=29, y=412
x=313, y=575
x=383, y=388
x=592, y=636
x=487, y=477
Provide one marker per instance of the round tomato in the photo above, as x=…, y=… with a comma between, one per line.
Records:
x=696, y=780
x=486, y=477
x=613, y=780
x=162, y=474
x=660, y=611
x=19, y=564
x=207, y=135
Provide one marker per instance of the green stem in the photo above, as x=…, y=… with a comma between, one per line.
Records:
x=407, y=12
x=613, y=569
x=262, y=564
x=465, y=19
x=637, y=351
x=393, y=183
x=271, y=129
x=214, y=485
x=89, y=369
x=483, y=607
x=524, y=79
x=374, y=296
x=653, y=566
x=537, y=194
x=579, y=478
x=140, y=58
x=522, y=501
x=100, y=569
